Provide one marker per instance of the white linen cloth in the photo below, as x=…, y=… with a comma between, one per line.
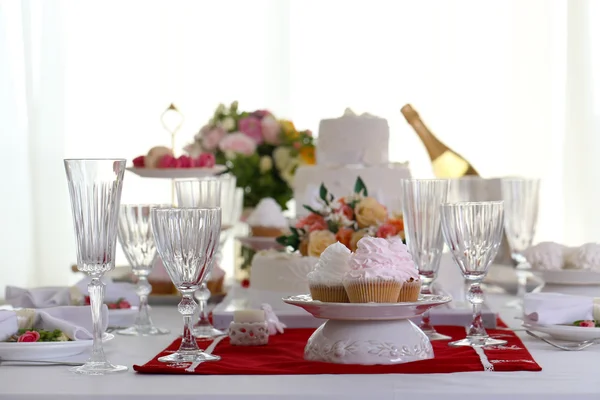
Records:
x=73, y=321
x=41, y=297
x=44, y=297
x=113, y=290
x=557, y=308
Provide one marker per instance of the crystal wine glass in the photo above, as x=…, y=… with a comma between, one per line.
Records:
x=137, y=241
x=521, y=199
x=201, y=193
x=473, y=232
x=187, y=240
x=95, y=190
x=421, y=200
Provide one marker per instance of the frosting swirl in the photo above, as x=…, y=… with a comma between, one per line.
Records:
x=382, y=258
x=267, y=213
x=586, y=257
x=332, y=266
x=548, y=256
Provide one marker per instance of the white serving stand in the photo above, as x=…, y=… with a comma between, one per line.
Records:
x=367, y=333
x=177, y=173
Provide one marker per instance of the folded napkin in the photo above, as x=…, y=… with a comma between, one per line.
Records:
x=113, y=291
x=557, y=308
x=42, y=297
x=73, y=321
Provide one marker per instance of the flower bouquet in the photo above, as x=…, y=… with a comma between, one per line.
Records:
x=261, y=151
x=345, y=220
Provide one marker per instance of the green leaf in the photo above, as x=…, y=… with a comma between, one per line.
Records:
x=282, y=240
x=333, y=227
x=360, y=186
x=294, y=231
x=312, y=210
x=323, y=192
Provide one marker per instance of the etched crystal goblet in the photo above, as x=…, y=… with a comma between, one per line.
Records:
x=137, y=242
x=473, y=233
x=421, y=200
x=187, y=240
x=95, y=190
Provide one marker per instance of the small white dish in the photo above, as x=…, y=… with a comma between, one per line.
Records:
x=570, y=277
x=259, y=243
x=177, y=173
x=567, y=333
x=367, y=311
x=46, y=350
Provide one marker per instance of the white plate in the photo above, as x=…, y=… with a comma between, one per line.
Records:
x=258, y=243
x=366, y=311
x=564, y=332
x=46, y=350
x=572, y=277
x=177, y=173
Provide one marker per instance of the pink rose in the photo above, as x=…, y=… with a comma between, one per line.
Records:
x=204, y=160
x=308, y=133
x=319, y=225
x=238, y=143
x=309, y=220
x=270, y=129
x=346, y=211
x=212, y=137
x=251, y=127
x=587, y=324
x=29, y=336
x=260, y=113
x=387, y=230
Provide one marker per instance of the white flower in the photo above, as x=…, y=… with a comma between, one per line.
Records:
x=230, y=155
x=266, y=164
x=228, y=124
x=282, y=157
x=220, y=108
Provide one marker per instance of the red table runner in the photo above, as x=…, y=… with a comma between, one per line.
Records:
x=284, y=355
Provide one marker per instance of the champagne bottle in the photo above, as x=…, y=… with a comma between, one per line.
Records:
x=446, y=162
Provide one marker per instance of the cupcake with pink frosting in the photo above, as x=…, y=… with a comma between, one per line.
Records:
x=412, y=286
x=378, y=270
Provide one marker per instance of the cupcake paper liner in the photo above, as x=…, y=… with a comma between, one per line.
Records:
x=329, y=294
x=373, y=291
x=410, y=291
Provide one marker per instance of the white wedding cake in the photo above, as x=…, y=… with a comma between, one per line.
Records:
x=349, y=147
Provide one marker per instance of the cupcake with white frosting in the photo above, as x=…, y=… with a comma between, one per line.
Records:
x=326, y=279
x=267, y=219
x=548, y=256
x=585, y=257
x=378, y=270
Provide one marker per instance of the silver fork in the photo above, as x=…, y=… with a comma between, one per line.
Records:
x=567, y=347
x=41, y=362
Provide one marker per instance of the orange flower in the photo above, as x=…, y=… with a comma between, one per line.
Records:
x=307, y=155
x=344, y=235
x=356, y=236
x=398, y=223
x=289, y=130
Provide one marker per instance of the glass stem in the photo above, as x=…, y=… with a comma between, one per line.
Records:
x=187, y=307
x=425, y=324
x=96, y=292
x=203, y=296
x=521, y=282
x=476, y=298
x=143, y=290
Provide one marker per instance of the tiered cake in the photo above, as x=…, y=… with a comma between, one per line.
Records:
x=349, y=147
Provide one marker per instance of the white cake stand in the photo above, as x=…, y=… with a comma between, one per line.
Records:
x=367, y=333
x=177, y=173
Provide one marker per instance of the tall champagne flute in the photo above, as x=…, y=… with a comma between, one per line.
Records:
x=95, y=189
x=421, y=200
x=473, y=232
x=521, y=200
x=187, y=240
x=201, y=193
x=137, y=241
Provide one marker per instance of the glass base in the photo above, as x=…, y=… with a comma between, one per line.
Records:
x=178, y=357
x=98, y=368
x=475, y=341
x=207, y=331
x=152, y=331
x=434, y=335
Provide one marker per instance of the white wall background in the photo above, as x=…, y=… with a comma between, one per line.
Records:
x=508, y=84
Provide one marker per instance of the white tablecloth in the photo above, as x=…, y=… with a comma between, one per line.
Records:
x=565, y=375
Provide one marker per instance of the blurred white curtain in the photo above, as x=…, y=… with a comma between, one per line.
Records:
x=508, y=84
